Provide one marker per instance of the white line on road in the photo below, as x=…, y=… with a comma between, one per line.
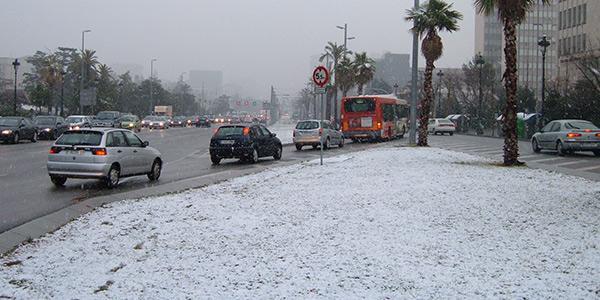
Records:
x=545, y=159
x=588, y=168
x=570, y=163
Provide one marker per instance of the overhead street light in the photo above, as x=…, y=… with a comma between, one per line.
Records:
x=544, y=43
x=151, y=83
x=16, y=65
x=82, y=69
x=480, y=62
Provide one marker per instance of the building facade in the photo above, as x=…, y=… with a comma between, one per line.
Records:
x=207, y=84
x=393, y=68
x=578, y=35
x=540, y=21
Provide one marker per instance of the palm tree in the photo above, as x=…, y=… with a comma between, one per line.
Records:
x=364, y=67
x=432, y=17
x=333, y=53
x=345, y=75
x=511, y=13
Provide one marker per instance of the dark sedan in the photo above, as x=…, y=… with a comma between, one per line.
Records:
x=244, y=142
x=14, y=129
x=203, y=122
x=50, y=127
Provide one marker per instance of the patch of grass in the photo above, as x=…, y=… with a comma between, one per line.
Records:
x=104, y=287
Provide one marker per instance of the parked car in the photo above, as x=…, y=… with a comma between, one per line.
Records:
x=77, y=122
x=178, y=121
x=15, y=129
x=102, y=153
x=131, y=122
x=567, y=136
x=203, y=122
x=310, y=133
x=107, y=119
x=247, y=143
x=441, y=126
x=50, y=127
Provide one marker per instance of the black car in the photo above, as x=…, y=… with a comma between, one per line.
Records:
x=50, y=127
x=203, y=122
x=14, y=129
x=178, y=121
x=245, y=142
x=107, y=119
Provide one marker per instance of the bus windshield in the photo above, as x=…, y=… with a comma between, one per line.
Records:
x=359, y=105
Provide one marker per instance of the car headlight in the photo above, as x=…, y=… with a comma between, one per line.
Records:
x=75, y=128
x=47, y=129
x=130, y=124
x=161, y=123
x=6, y=131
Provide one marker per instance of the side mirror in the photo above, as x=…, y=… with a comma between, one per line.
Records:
x=21, y=125
x=542, y=131
x=273, y=134
x=145, y=144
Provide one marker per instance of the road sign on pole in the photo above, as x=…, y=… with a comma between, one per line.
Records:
x=320, y=76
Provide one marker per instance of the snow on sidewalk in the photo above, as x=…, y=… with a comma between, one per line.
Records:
x=392, y=222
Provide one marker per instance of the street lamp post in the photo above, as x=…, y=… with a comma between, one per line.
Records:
x=412, y=137
x=346, y=38
x=151, y=82
x=16, y=65
x=479, y=61
x=437, y=108
x=544, y=43
x=82, y=69
x=62, y=92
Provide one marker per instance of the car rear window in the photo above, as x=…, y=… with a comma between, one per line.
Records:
x=359, y=105
x=445, y=121
x=44, y=121
x=229, y=131
x=307, y=125
x=88, y=138
x=580, y=125
x=8, y=122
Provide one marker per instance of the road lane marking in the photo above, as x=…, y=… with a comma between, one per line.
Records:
x=570, y=163
x=545, y=159
x=588, y=168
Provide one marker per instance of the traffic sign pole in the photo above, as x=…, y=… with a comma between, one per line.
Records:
x=321, y=78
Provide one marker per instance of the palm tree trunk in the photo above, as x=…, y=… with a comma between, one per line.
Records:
x=328, y=106
x=335, y=104
x=511, y=145
x=360, y=89
x=426, y=104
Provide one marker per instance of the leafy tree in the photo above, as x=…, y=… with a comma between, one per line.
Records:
x=364, y=68
x=184, y=102
x=432, y=17
x=511, y=14
x=107, y=89
x=221, y=105
x=345, y=75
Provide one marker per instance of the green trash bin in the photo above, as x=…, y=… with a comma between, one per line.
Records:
x=521, y=132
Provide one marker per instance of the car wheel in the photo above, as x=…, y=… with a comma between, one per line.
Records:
x=327, y=144
x=451, y=133
x=58, y=181
x=299, y=147
x=341, y=145
x=215, y=160
x=560, y=149
x=535, y=146
x=596, y=152
x=112, y=179
x=278, y=152
x=16, y=138
x=254, y=157
x=34, y=137
x=314, y=147
x=155, y=171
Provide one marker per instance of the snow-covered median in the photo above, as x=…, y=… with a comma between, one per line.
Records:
x=398, y=223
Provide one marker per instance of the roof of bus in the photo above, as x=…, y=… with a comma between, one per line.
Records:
x=389, y=97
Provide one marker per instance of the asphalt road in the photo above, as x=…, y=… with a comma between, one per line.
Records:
x=27, y=193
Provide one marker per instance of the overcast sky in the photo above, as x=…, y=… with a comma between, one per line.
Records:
x=256, y=43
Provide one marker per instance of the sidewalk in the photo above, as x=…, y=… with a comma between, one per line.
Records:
x=390, y=222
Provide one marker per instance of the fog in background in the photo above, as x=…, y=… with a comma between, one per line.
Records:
x=256, y=43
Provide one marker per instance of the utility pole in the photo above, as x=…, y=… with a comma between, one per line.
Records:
x=62, y=91
x=412, y=137
x=16, y=65
x=82, y=70
x=480, y=62
x=151, y=83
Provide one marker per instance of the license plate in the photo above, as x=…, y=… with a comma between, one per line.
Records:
x=227, y=142
x=75, y=152
x=366, y=122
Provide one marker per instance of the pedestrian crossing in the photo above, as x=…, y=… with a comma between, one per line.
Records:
x=493, y=148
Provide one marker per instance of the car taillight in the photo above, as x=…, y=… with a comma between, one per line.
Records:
x=246, y=130
x=378, y=125
x=345, y=125
x=587, y=130
x=55, y=150
x=99, y=151
x=573, y=134
x=320, y=131
x=598, y=135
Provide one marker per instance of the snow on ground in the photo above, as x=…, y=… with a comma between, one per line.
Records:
x=284, y=131
x=393, y=222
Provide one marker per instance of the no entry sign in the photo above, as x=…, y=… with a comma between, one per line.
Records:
x=320, y=76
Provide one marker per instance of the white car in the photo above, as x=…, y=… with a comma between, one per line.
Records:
x=442, y=126
x=310, y=133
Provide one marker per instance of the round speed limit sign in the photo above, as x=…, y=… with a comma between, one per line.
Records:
x=320, y=76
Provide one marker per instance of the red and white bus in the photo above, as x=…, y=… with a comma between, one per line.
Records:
x=377, y=117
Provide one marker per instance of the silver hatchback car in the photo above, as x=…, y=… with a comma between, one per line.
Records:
x=310, y=133
x=102, y=153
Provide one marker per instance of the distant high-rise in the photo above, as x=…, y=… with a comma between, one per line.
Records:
x=393, y=68
x=207, y=84
x=578, y=35
x=540, y=21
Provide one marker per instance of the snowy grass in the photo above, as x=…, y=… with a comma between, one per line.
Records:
x=397, y=223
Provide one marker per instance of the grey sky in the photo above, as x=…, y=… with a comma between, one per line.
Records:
x=255, y=43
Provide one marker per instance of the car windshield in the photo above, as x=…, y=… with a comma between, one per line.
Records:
x=307, y=125
x=74, y=120
x=44, y=121
x=107, y=115
x=84, y=138
x=229, y=131
x=150, y=118
x=359, y=105
x=580, y=125
x=8, y=122
x=128, y=119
